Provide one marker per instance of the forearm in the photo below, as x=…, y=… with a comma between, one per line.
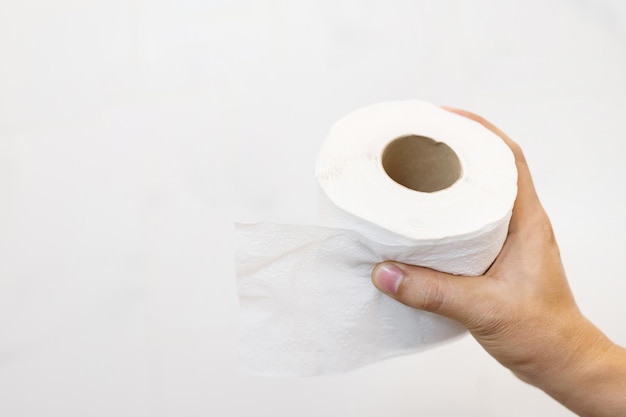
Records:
x=584, y=371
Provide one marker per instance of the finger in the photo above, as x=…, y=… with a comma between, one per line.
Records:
x=527, y=206
x=475, y=117
x=429, y=290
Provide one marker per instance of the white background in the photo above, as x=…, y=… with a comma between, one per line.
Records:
x=133, y=133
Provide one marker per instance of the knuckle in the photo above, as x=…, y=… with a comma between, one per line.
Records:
x=545, y=231
x=433, y=295
x=518, y=153
x=539, y=230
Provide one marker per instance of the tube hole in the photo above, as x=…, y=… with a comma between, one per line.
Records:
x=421, y=164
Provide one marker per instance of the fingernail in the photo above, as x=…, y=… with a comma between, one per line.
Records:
x=387, y=277
x=454, y=110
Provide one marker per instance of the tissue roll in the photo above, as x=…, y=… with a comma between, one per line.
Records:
x=351, y=172
x=404, y=180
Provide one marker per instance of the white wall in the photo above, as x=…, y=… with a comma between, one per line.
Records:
x=132, y=134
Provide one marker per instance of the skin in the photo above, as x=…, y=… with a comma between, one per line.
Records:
x=522, y=310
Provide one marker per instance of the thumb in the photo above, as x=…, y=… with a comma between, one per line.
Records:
x=452, y=296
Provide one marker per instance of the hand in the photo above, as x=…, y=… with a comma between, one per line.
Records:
x=522, y=310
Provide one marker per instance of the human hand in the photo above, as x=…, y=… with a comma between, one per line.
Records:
x=522, y=310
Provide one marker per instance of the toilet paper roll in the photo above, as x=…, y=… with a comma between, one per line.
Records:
x=405, y=181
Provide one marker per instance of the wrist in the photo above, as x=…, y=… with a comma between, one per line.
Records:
x=573, y=347
x=583, y=370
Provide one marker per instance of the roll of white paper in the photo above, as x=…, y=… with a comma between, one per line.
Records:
x=405, y=181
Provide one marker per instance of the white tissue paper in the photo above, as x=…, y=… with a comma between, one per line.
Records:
x=405, y=181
